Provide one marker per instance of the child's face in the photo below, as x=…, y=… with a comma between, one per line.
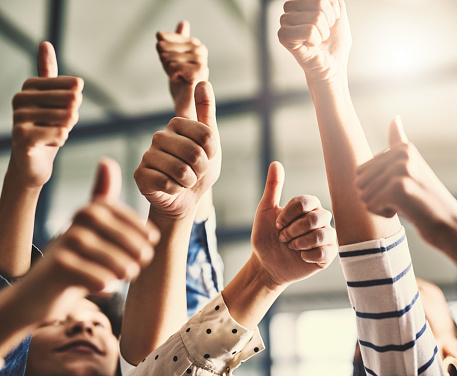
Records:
x=74, y=343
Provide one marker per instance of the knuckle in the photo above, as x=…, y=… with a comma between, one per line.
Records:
x=195, y=41
x=319, y=236
x=17, y=100
x=76, y=239
x=76, y=83
x=73, y=117
x=163, y=183
x=28, y=83
x=89, y=214
x=197, y=157
x=182, y=171
x=61, y=135
x=19, y=115
x=313, y=218
x=158, y=138
x=206, y=137
x=283, y=19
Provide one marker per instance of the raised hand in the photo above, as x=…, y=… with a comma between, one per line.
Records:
x=294, y=242
x=183, y=161
x=399, y=180
x=185, y=60
x=317, y=34
x=45, y=111
x=106, y=240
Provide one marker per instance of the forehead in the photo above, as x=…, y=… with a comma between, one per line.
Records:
x=84, y=309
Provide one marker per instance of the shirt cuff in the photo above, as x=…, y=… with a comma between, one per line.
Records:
x=216, y=341
x=126, y=367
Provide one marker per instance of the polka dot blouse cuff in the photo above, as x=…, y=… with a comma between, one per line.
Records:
x=210, y=343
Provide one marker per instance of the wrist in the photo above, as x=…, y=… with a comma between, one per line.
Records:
x=13, y=184
x=250, y=294
x=336, y=83
x=164, y=220
x=262, y=278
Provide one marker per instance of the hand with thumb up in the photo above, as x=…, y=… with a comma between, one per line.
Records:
x=290, y=243
x=106, y=240
x=45, y=111
x=184, y=160
x=400, y=180
x=185, y=60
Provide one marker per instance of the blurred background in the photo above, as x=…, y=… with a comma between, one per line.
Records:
x=403, y=61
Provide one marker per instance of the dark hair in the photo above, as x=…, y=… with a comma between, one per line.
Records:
x=113, y=308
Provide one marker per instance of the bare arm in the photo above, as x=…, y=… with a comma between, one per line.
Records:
x=106, y=241
x=345, y=147
x=181, y=165
x=373, y=250
x=45, y=111
x=185, y=61
x=400, y=180
x=289, y=244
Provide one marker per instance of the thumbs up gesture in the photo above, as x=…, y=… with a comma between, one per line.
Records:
x=400, y=180
x=45, y=111
x=106, y=240
x=184, y=160
x=185, y=60
x=294, y=242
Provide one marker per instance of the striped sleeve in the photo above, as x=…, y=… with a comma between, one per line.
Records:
x=394, y=336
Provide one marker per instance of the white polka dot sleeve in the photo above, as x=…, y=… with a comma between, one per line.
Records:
x=210, y=343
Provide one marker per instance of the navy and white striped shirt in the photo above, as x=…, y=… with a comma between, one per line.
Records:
x=394, y=336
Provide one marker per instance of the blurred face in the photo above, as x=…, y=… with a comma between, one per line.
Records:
x=74, y=343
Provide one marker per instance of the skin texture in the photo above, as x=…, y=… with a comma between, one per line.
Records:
x=273, y=264
x=44, y=113
x=400, y=180
x=106, y=241
x=79, y=342
x=185, y=61
x=317, y=34
x=174, y=175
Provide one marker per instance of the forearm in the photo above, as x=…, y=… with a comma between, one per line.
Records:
x=345, y=147
x=183, y=99
x=436, y=310
x=250, y=295
x=394, y=336
x=13, y=329
x=156, y=301
x=17, y=216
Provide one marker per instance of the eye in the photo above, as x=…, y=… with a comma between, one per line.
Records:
x=52, y=323
x=98, y=324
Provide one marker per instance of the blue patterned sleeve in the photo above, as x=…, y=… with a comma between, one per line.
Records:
x=204, y=278
x=16, y=360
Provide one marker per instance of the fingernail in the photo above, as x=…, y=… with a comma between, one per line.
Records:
x=278, y=226
x=282, y=238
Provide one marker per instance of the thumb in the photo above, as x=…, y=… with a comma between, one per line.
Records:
x=205, y=104
x=273, y=186
x=47, y=60
x=108, y=182
x=183, y=28
x=397, y=134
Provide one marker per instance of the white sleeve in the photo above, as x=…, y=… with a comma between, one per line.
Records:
x=394, y=335
x=210, y=343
